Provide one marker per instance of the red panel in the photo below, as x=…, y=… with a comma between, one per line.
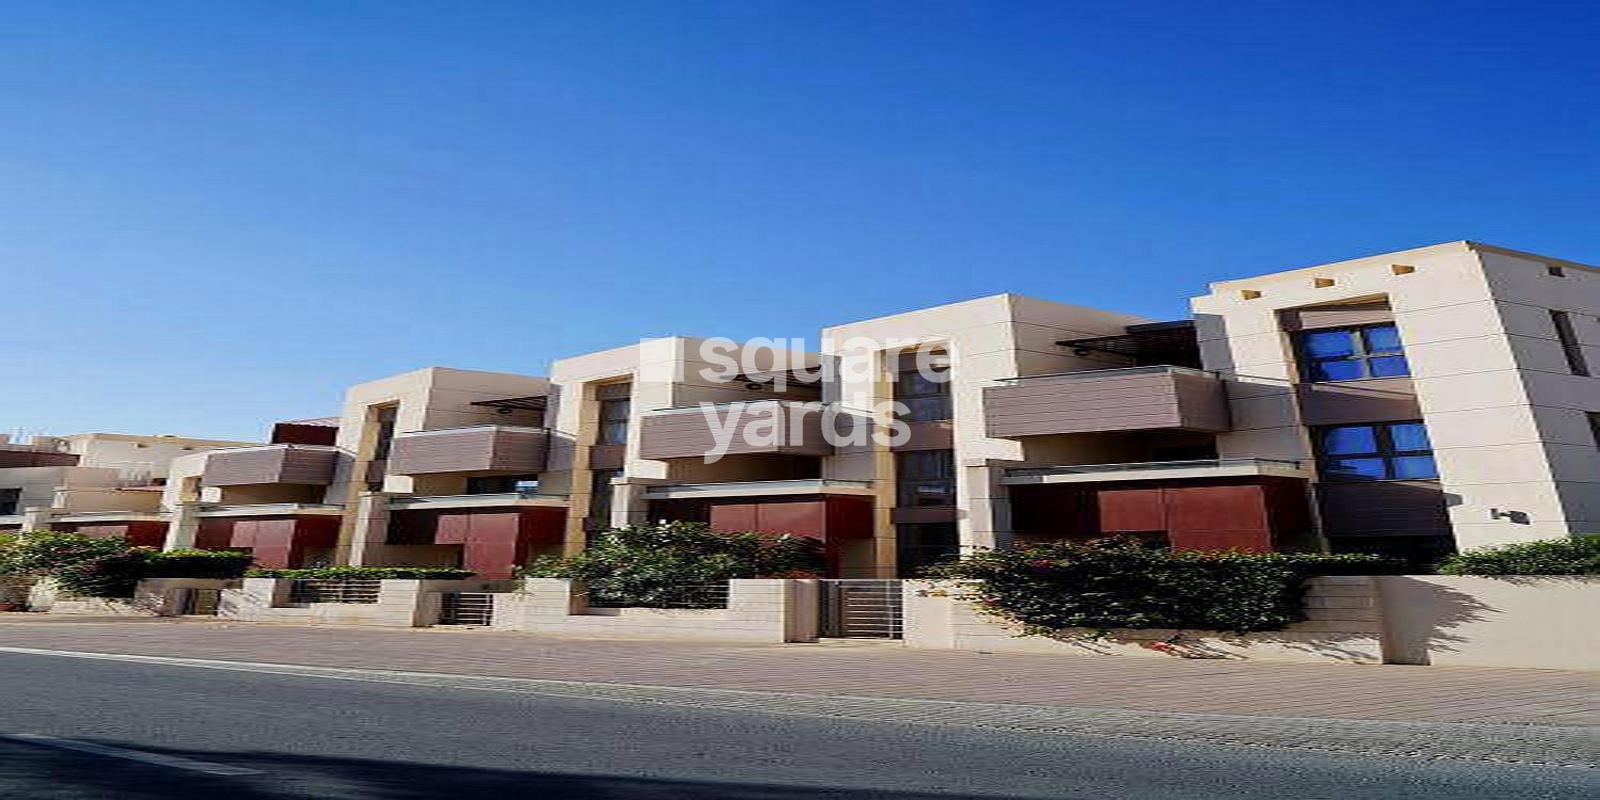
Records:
x=1132, y=510
x=215, y=533
x=849, y=518
x=734, y=517
x=807, y=518
x=1219, y=518
x=147, y=533
x=453, y=528
x=544, y=525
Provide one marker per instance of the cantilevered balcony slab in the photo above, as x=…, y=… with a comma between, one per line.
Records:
x=754, y=427
x=303, y=464
x=1157, y=471
x=1102, y=401
x=475, y=448
x=790, y=488
x=469, y=501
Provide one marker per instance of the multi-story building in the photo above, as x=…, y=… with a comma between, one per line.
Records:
x=1408, y=403
x=103, y=484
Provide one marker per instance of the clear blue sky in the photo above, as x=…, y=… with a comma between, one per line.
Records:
x=217, y=214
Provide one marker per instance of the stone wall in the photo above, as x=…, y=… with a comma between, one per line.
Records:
x=1344, y=626
x=758, y=611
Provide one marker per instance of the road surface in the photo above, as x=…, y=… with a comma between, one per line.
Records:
x=83, y=728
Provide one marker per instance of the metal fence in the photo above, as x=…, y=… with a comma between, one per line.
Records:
x=466, y=608
x=695, y=595
x=328, y=590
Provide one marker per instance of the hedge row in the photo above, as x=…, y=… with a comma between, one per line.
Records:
x=364, y=573
x=1122, y=583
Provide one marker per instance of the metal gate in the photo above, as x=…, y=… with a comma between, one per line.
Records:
x=861, y=609
x=466, y=608
x=201, y=602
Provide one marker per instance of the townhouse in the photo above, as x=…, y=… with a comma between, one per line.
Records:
x=1407, y=403
x=104, y=484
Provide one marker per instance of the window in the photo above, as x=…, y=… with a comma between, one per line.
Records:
x=1391, y=451
x=1594, y=427
x=923, y=544
x=926, y=399
x=616, y=406
x=385, y=418
x=1569, y=342
x=1353, y=354
x=600, y=495
x=9, y=500
x=926, y=478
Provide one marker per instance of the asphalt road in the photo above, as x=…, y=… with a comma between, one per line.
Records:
x=281, y=736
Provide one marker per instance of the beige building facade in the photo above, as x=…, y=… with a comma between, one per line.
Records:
x=1408, y=403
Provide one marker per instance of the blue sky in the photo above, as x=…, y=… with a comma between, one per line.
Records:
x=217, y=214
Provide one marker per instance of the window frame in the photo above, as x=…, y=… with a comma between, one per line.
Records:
x=1361, y=354
x=944, y=409
x=1385, y=452
x=908, y=485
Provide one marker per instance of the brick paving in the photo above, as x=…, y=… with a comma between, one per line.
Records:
x=862, y=668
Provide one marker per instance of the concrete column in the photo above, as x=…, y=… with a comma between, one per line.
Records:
x=987, y=523
x=628, y=504
x=184, y=527
x=39, y=518
x=371, y=528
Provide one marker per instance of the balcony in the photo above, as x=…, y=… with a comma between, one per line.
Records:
x=474, y=448
x=1157, y=471
x=758, y=427
x=302, y=464
x=1108, y=400
x=808, y=486
x=271, y=510
x=492, y=500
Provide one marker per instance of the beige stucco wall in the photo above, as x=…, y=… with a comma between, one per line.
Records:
x=1344, y=627
x=759, y=610
x=1503, y=415
x=1536, y=622
x=988, y=339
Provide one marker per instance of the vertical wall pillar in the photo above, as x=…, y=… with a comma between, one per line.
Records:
x=39, y=518
x=987, y=524
x=371, y=528
x=628, y=505
x=184, y=528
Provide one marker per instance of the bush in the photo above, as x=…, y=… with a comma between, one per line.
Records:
x=364, y=573
x=1579, y=555
x=649, y=566
x=1122, y=583
x=91, y=566
x=218, y=564
x=79, y=564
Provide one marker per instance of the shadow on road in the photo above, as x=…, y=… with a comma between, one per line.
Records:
x=40, y=773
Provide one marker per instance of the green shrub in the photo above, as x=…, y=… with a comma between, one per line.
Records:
x=217, y=564
x=80, y=565
x=649, y=566
x=364, y=573
x=1122, y=583
x=1579, y=555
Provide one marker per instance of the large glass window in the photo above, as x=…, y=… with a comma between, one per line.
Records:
x=502, y=484
x=601, y=494
x=9, y=500
x=923, y=544
x=1390, y=451
x=926, y=397
x=926, y=478
x=616, y=406
x=1353, y=354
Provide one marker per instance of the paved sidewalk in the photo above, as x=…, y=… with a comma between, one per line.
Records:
x=861, y=668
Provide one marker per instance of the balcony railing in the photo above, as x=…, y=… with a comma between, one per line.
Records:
x=470, y=448
x=1107, y=401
